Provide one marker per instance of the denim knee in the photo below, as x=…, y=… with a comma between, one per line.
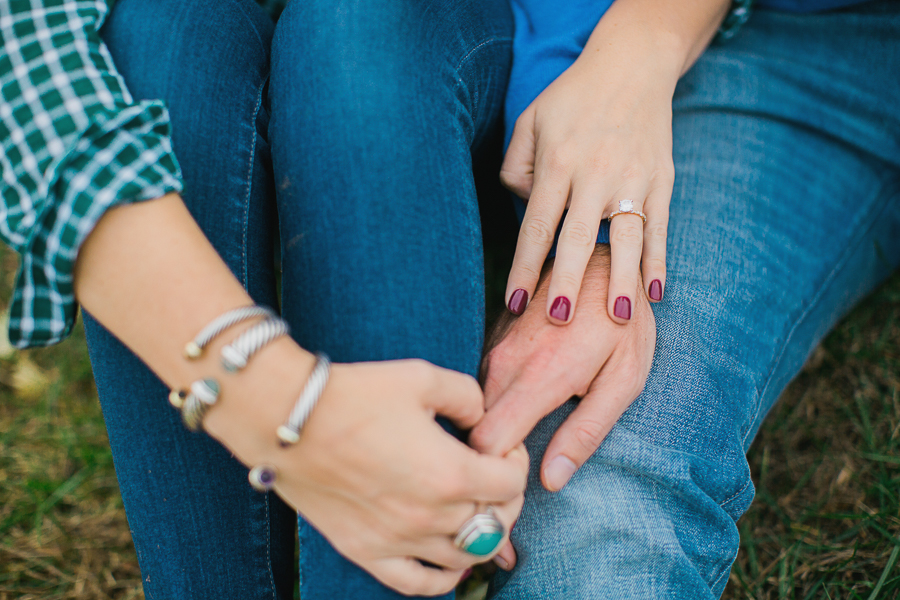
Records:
x=652, y=514
x=398, y=64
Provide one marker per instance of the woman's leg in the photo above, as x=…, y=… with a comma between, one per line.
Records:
x=785, y=213
x=376, y=108
x=199, y=529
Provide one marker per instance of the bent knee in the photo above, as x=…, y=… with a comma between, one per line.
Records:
x=166, y=47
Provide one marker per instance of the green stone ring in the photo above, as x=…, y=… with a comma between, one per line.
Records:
x=481, y=534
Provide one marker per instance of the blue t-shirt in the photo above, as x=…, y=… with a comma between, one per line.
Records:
x=550, y=36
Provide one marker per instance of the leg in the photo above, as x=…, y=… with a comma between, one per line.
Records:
x=199, y=529
x=769, y=245
x=376, y=109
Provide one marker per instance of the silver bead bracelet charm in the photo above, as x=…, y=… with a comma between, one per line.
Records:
x=262, y=477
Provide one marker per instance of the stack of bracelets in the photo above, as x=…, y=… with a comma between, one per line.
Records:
x=202, y=395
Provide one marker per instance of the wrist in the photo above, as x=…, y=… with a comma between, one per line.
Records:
x=254, y=402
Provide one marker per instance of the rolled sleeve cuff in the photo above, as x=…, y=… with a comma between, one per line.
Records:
x=123, y=156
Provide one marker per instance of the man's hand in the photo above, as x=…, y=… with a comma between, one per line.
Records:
x=532, y=367
x=535, y=367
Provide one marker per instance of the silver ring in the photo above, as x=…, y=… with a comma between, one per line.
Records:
x=626, y=207
x=480, y=535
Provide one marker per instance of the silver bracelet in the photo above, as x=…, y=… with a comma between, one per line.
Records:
x=194, y=348
x=236, y=354
x=194, y=404
x=289, y=433
x=262, y=477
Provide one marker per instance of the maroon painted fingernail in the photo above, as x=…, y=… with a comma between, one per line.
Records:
x=466, y=574
x=560, y=308
x=656, y=290
x=622, y=307
x=518, y=301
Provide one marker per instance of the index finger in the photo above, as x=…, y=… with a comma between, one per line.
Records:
x=536, y=235
x=515, y=413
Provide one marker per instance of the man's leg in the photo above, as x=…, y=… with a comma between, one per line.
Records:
x=200, y=530
x=377, y=107
x=786, y=211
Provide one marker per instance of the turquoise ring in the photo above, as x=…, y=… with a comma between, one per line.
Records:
x=480, y=535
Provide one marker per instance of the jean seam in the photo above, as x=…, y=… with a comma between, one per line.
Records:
x=725, y=503
x=245, y=267
x=862, y=230
x=465, y=59
x=269, y=549
x=726, y=568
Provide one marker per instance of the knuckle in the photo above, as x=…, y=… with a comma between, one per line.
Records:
x=655, y=264
x=538, y=230
x=422, y=372
x=598, y=164
x=657, y=229
x=515, y=181
x=557, y=161
x=588, y=434
x=527, y=272
x=665, y=174
x=578, y=233
x=632, y=172
x=418, y=519
x=568, y=280
x=627, y=233
x=451, y=484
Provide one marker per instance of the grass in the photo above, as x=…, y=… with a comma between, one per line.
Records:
x=825, y=523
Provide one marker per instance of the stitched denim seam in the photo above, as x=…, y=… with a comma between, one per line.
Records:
x=726, y=568
x=245, y=267
x=460, y=83
x=469, y=54
x=725, y=503
x=829, y=279
x=269, y=548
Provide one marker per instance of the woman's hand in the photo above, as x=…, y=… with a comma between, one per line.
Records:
x=385, y=484
x=595, y=137
x=598, y=136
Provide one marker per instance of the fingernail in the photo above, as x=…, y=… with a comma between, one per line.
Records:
x=622, y=307
x=558, y=472
x=518, y=301
x=501, y=562
x=656, y=290
x=466, y=574
x=560, y=308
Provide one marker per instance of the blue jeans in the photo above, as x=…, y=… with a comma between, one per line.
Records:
x=363, y=120
x=786, y=211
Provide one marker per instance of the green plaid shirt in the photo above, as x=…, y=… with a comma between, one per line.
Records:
x=74, y=144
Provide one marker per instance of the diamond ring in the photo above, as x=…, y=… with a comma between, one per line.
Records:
x=481, y=534
x=626, y=207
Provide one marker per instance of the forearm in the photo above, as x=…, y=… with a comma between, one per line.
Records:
x=667, y=34
x=150, y=276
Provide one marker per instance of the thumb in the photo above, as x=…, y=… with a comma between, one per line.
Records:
x=582, y=433
x=517, y=171
x=453, y=395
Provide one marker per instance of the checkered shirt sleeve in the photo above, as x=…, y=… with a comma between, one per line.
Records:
x=74, y=144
